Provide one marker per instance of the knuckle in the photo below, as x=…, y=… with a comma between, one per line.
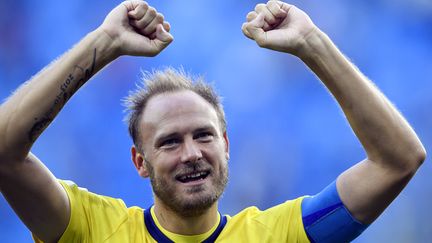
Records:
x=144, y=5
x=246, y=32
x=251, y=15
x=275, y=9
x=247, y=26
x=167, y=26
x=259, y=7
x=152, y=11
x=272, y=5
x=160, y=17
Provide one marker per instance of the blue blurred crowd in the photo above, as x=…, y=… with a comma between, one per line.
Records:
x=288, y=137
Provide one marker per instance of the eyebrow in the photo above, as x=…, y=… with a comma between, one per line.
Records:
x=163, y=137
x=205, y=128
x=168, y=135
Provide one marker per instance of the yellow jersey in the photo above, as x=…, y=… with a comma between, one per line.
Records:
x=95, y=218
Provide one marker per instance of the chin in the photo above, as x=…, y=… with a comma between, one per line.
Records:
x=196, y=207
x=191, y=198
x=191, y=202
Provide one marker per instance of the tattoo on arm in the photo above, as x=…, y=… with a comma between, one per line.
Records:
x=77, y=78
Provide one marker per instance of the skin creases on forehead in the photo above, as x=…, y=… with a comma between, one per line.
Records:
x=176, y=112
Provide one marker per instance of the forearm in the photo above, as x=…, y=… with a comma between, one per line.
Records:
x=384, y=133
x=393, y=150
x=26, y=114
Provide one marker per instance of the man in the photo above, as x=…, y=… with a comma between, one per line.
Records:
x=180, y=142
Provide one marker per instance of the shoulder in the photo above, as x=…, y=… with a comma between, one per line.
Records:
x=84, y=201
x=95, y=217
x=281, y=223
x=288, y=208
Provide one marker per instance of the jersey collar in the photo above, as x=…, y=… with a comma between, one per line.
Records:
x=160, y=237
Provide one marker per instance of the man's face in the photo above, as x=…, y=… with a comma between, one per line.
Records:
x=185, y=151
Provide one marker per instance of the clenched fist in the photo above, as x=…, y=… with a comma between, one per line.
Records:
x=278, y=26
x=137, y=29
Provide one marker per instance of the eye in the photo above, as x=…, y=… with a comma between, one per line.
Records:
x=169, y=143
x=204, y=136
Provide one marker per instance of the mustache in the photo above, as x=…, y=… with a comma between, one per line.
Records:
x=193, y=167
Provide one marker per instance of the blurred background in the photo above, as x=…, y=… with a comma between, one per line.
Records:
x=288, y=136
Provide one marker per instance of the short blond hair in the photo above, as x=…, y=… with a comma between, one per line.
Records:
x=165, y=81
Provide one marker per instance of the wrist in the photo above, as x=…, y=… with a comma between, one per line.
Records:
x=109, y=47
x=313, y=44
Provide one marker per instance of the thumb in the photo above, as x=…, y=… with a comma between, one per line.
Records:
x=254, y=29
x=162, y=36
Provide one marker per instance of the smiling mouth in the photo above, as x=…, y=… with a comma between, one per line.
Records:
x=195, y=176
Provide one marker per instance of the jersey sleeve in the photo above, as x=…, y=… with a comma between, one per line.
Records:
x=326, y=219
x=93, y=218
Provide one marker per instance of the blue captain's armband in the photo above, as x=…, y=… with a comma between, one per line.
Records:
x=326, y=219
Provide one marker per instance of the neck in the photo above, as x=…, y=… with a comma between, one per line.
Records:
x=179, y=224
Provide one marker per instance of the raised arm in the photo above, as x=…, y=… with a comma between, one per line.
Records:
x=393, y=150
x=132, y=28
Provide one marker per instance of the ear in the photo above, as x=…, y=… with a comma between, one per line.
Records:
x=225, y=136
x=138, y=160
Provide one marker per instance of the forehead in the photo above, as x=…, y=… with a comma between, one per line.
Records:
x=177, y=110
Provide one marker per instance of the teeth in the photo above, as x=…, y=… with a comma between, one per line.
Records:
x=193, y=176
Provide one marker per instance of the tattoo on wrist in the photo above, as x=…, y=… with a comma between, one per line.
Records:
x=77, y=78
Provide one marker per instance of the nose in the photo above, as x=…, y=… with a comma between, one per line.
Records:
x=191, y=151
